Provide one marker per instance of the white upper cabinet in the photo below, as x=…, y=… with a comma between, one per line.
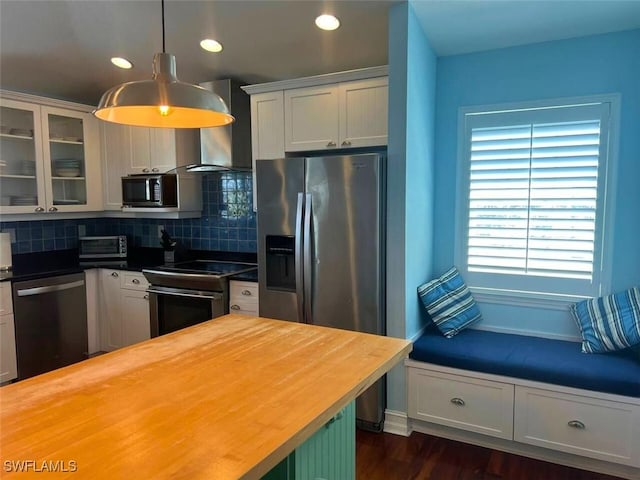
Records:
x=344, y=115
x=311, y=118
x=49, y=159
x=364, y=106
x=128, y=150
x=267, y=125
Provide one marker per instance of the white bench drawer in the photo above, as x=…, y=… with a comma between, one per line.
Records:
x=578, y=424
x=467, y=403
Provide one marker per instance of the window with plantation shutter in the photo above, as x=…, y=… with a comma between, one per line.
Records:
x=533, y=198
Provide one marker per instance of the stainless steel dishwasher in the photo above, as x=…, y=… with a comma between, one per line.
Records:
x=50, y=322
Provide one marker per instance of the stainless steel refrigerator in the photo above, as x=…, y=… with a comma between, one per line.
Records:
x=321, y=249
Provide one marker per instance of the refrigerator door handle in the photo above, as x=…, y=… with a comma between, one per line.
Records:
x=298, y=259
x=307, y=258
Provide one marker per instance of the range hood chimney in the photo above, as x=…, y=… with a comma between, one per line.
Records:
x=228, y=147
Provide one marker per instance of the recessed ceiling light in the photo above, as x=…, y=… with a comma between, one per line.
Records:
x=211, y=45
x=327, y=22
x=121, y=62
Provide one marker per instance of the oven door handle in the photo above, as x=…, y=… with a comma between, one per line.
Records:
x=197, y=294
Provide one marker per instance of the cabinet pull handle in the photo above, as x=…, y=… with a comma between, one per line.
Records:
x=458, y=401
x=155, y=170
x=53, y=209
x=235, y=307
x=335, y=418
x=39, y=209
x=346, y=143
x=246, y=293
x=114, y=274
x=145, y=170
x=576, y=424
x=135, y=281
x=331, y=144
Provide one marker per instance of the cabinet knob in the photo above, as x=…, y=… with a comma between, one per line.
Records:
x=246, y=293
x=457, y=401
x=346, y=143
x=39, y=209
x=146, y=297
x=576, y=424
x=53, y=209
x=155, y=170
x=235, y=307
x=114, y=274
x=135, y=281
x=331, y=144
x=145, y=170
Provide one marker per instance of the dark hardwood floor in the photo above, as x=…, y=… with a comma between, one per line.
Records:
x=383, y=456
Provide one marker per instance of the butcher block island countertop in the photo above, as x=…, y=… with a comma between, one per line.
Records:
x=225, y=399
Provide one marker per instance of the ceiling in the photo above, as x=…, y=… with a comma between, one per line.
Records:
x=61, y=48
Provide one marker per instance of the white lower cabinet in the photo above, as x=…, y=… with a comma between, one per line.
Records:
x=461, y=402
x=8, y=364
x=124, y=309
x=243, y=297
x=578, y=424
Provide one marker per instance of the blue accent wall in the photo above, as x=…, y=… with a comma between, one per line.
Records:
x=228, y=223
x=591, y=65
x=412, y=79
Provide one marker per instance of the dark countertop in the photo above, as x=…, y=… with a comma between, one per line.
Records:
x=30, y=266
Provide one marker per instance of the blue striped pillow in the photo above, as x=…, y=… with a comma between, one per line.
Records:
x=609, y=323
x=449, y=303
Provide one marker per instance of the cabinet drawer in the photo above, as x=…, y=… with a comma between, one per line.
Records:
x=461, y=402
x=133, y=281
x=6, y=304
x=245, y=292
x=246, y=308
x=578, y=424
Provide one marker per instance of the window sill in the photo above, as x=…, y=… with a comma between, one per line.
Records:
x=547, y=301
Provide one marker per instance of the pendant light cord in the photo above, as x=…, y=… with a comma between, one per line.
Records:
x=163, y=49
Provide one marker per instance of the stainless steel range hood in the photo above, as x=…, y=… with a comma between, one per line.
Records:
x=228, y=147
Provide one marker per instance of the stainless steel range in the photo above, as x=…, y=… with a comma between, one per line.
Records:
x=187, y=293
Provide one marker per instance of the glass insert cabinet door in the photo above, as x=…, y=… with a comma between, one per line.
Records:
x=43, y=158
x=65, y=163
x=21, y=167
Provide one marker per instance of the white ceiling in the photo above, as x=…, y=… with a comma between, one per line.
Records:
x=61, y=48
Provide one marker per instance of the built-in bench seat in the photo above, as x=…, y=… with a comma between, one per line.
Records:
x=540, y=359
x=533, y=396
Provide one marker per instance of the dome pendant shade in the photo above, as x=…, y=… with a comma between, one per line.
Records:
x=163, y=102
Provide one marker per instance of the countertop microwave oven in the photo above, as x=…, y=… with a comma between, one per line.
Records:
x=102, y=247
x=155, y=191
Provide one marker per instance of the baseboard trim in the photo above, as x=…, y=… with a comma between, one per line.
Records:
x=397, y=423
x=510, y=446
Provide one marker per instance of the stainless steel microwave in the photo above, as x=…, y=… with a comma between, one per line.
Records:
x=156, y=191
x=103, y=247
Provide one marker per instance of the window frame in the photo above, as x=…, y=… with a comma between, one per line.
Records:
x=603, y=255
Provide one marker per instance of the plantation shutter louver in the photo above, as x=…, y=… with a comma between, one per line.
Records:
x=534, y=191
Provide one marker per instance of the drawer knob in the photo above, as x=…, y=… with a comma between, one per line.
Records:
x=458, y=401
x=331, y=144
x=235, y=307
x=146, y=297
x=346, y=143
x=576, y=424
x=135, y=281
x=246, y=292
x=114, y=274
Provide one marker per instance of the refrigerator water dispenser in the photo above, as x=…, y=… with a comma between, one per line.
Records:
x=280, y=256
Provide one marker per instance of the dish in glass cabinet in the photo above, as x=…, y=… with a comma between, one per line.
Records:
x=22, y=132
x=67, y=172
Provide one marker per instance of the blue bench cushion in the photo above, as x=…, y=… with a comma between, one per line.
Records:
x=533, y=358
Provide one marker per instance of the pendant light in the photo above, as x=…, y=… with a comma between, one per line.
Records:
x=164, y=101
